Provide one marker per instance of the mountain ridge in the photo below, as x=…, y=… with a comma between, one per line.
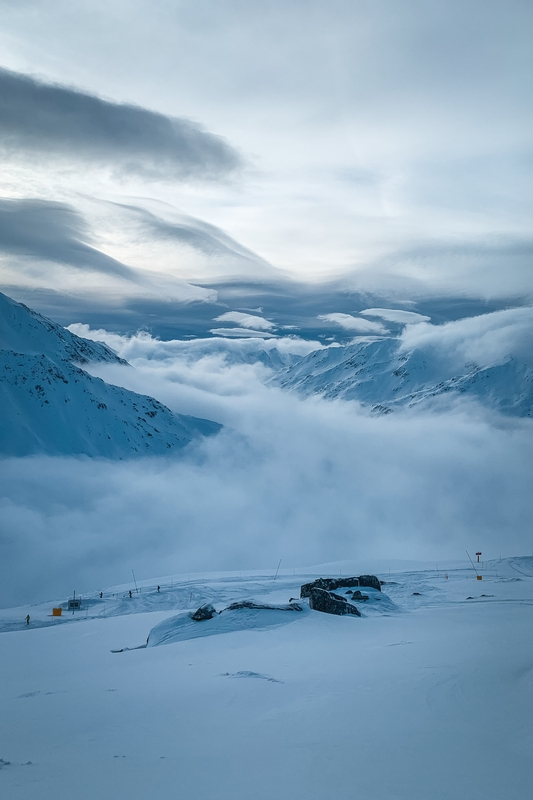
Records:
x=51, y=405
x=381, y=374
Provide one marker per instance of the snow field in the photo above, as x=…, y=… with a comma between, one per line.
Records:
x=431, y=701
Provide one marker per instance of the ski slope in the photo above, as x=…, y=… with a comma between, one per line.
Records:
x=429, y=697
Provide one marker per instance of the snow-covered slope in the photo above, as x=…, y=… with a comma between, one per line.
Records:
x=514, y=567
x=432, y=702
x=50, y=405
x=25, y=331
x=379, y=373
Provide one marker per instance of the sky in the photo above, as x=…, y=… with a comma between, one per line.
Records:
x=383, y=145
x=208, y=174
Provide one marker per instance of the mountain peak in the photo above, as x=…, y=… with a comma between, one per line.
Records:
x=23, y=330
x=52, y=406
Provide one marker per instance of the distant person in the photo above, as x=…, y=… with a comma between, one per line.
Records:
x=158, y=589
x=130, y=593
x=27, y=619
x=101, y=595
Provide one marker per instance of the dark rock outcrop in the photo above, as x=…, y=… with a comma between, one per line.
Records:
x=207, y=611
x=357, y=595
x=330, y=584
x=371, y=581
x=331, y=603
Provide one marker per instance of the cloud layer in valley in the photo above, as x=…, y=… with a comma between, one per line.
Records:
x=303, y=480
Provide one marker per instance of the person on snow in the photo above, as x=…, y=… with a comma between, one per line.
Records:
x=27, y=619
x=130, y=593
x=158, y=589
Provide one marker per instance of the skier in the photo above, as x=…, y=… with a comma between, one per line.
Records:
x=158, y=589
x=27, y=619
x=101, y=595
x=130, y=593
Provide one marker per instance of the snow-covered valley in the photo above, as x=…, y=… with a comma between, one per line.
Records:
x=430, y=697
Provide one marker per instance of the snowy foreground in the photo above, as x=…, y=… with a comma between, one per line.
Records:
x=426, y=696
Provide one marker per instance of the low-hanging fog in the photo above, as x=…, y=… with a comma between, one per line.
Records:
x=304, y=480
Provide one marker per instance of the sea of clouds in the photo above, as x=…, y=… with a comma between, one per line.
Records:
x=304, y=480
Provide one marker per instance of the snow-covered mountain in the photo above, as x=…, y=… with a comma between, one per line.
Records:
x=380, y=373
x=50, y=405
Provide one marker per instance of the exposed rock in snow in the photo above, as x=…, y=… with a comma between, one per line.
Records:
x=50, y=405
x=207, y=611
x=370, y=581
x=357, y=595
x=331, y=603
x=330, y=584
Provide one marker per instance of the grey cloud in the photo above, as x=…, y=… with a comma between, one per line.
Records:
x=56, y=232
x=63, y=122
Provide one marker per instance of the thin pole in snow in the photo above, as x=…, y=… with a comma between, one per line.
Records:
x=134, y=581
x=473, y=567
x=277, y=570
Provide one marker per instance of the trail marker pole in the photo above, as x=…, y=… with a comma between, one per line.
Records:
x=277, y=570
x=478, y=576
x=135, y=582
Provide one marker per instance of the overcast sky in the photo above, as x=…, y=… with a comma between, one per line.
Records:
x=385, y=141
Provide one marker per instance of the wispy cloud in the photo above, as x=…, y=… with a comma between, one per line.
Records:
x=242, y=332
x=355, y=324
x=246, y=320
x=395, y=315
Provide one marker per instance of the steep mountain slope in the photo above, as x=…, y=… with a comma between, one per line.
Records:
x=379, y=373
x=50, y=405
x=25, y=331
